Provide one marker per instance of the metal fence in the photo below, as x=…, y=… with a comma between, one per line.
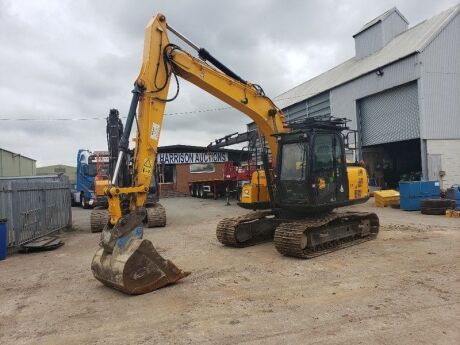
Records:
x=34, y=206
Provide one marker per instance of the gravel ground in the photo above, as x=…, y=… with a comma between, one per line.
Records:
x=402, y=288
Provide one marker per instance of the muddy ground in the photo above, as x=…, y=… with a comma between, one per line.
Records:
x=403, y=288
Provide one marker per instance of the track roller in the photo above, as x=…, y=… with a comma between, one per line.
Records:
x=98, y=219
x=156, y=216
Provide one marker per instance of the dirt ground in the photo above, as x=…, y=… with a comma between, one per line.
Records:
x=402, y=288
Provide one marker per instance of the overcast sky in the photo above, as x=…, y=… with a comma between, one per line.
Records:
x=77, y=59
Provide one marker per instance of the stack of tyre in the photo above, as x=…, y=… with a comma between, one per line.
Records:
x=436, y=206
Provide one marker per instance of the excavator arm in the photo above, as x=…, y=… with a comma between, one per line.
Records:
x=125, y=260
x=161, y=61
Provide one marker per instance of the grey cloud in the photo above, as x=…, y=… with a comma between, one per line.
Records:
x=80, y=58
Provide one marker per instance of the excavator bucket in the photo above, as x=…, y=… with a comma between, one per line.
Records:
x=131, y=264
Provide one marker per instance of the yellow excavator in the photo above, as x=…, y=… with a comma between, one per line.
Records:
x=294, y=195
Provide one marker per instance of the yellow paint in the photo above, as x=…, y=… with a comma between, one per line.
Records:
x=147, y=167
x=321, y=183
x=99, y=186
x=259, y=108
x=358, y=187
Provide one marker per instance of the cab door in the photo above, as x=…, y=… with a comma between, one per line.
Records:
x=293, y=173
x=328, y=174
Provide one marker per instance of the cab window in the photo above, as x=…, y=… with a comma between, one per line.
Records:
x=293, y=161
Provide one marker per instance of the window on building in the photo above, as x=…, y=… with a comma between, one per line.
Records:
x=202, y=168
x=166, y=173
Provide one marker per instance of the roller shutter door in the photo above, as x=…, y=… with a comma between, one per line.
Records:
x=390, y=116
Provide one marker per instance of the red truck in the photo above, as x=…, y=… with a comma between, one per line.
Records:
x=234, y=177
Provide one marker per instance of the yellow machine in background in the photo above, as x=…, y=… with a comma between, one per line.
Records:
x=298, y=190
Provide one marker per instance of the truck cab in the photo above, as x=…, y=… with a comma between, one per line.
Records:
x=98, y=168
x=84, y=189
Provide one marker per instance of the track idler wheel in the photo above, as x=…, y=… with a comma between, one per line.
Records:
x=129, y=263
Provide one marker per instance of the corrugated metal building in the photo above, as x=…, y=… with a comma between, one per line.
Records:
x=401, y=90
x=15, y=164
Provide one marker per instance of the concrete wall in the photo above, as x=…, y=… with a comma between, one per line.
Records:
x=13, y=164
x=449, y=152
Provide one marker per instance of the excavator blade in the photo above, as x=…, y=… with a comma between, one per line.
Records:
x=132, y=265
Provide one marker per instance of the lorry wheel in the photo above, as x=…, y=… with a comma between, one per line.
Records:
x=195, y=192
x=83, y=202
x=200, y=191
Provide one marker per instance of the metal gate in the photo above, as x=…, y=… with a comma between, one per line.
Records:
x=34, y=206
x=389, y=116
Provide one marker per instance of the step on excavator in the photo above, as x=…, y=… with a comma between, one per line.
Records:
x=155, y=212
x=294, y=196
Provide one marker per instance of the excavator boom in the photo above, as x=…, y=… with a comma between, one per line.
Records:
x=125, y=260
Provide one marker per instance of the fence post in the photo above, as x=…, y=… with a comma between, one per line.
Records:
x=44, y=210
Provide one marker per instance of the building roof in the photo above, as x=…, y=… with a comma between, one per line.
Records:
x=379, y=19
x=56, y=166
x=18, y=154
x=411, y=41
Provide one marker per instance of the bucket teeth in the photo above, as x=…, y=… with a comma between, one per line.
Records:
x=136, y=270
x=131, y=264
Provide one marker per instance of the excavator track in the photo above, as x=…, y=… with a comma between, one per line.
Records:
x=308, y=238
x=156, y=216
x=247, y=230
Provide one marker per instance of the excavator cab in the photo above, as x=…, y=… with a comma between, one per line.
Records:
x=310, y=174
x=311, y=171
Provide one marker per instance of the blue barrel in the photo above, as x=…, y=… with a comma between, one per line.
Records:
x=413, y=192
x=3, y=239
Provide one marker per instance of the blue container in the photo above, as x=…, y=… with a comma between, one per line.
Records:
x=413, y=192
x=3, y=239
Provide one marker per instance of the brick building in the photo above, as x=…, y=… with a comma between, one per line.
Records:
x=180, y=164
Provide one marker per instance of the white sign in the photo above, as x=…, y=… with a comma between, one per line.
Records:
x=192, y=157
x=96, y=159
x=155, y=132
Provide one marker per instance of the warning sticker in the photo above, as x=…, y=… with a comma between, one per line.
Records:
x=147, y=166
x=155, y=133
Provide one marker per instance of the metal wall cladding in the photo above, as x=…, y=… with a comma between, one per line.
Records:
x=393, y=26
x=34, y=206
x=390, y=116
x=318, y=105
x=440, y=88
x=369, y=41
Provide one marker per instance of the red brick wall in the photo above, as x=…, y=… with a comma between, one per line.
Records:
x=183, y=176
